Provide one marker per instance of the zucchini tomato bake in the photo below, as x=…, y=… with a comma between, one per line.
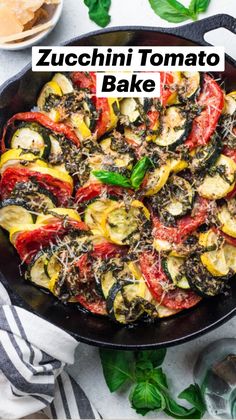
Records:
x=125, y=207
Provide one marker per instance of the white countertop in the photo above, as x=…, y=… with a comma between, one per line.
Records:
x=180, y=360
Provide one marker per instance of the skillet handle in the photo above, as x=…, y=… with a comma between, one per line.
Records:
x=195, y=31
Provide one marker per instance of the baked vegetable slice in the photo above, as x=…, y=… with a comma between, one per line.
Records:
x=31, y=137
x=36, y=270
x=175, y=269
x=220, y=179
x=227, y=221
x=214, y=258
x=13, y=211
x=204, y=157
x=201, y=280
x=174, y=127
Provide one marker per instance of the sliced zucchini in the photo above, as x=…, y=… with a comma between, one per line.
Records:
x=214, y=259
x=155, y=179
x=174, y=128
x=190, y=85
x=78, y=123
x=38, y=199
x=227, y=220
x=177, y=198
x=118, y=155
x=54, y=264
x=56, y=150
x=134, y=137
x=30, y=137
x=206, y=156
x=174, y=269
x=230, y=103
x=59, y=212
x=64, y=83
x=36, y=270
x=220, y=179
x=123, y=305
x=17, y=157
x=90, y=113
x=177, y=164
x=114, y=107
x=122, y=225
x=201, y=281
x=130, y=108
x=94, y=212
x=230, y=256
x=13, y=212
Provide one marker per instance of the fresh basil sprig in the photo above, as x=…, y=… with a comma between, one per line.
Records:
x=112, y=178
x=150, y=389
x=137, y=175
x=139, y=171
x=99, y=11
x=175, y=12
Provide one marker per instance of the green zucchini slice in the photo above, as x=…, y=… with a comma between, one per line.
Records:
x=206, y=156
x=190, y=85
x=174, y=269
x=32, y=138
x=37, y=199
x=64, y=83
x=201, y=281
x=36, y=270
x=122, y=303
x=130, y=108
x=174, y=128
x=175, y=199
x=14, y=212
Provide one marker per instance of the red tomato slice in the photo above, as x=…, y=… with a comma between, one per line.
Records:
x=184, y=226
x=43, y=120
x=107, y=250
x=230, y=153
x=161, y=287
x=103, y=109
x=85, y=80
x=212, y=100
x=97, y=307
x=61, y=190
x=28, y=243
x=166, y=79
x=96, y=189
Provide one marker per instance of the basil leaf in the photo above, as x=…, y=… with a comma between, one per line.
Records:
x=159, y=378
x=155, y=356
x=139, y=171
x=98, y=11
x=117, y=367
x=198, y=6
x=146, y=396
x=170, y=10
x=112, y=178
x=173, y=409
x=193, y=395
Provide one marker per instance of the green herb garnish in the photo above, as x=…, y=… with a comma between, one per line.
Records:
x=99, y=11
x=150, y=389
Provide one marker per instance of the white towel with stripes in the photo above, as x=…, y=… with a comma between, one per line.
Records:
x=33, y=354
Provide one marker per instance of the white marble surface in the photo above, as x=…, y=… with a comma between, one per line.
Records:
x=179, y=361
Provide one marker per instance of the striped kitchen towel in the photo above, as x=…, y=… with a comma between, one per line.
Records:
x=33, y=354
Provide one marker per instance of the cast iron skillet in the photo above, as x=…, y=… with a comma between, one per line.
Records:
x=19, y=94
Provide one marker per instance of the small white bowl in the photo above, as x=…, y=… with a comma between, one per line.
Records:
x=35, y=39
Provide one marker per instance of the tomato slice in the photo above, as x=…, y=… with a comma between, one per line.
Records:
x=166, y=79
x=107, y=250
x=97, y=307
x=230, y=153
x=96, y=189
x=161, y=287
x=184, y=226
x=61, y=190
x=85, y=80
x=212, y=100
x=45, y=121
x=28, y=243
x=103, y=109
